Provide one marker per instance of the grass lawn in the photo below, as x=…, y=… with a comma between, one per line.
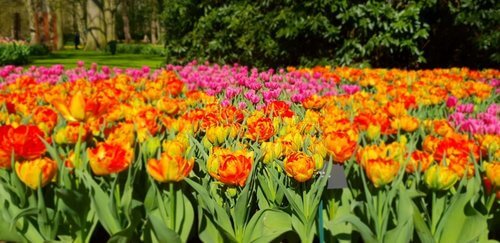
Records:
x=69, y=58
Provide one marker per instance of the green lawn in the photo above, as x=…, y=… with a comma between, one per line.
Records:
x=69, y=58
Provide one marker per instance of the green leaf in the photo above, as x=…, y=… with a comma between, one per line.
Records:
x=7, y=233
x=266, y=225
x=423, y=231
x=184, y=216
x=461, y=222
x=403, y=232
x=101, y=204
x=360, y=227
x=162, y=233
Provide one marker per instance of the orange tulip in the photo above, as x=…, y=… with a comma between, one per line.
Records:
x=26, y=141
x=260, y=130
x=314, y=102
x=381, y=171
x=405, y=123
x=340, y=145
x=45, y=118
x=36, y=173
x=300, y=166
x=6, y=148
x=278, y=109
x=169, y=168
x=419, y=160
x=108, y=158
x=493, y=173
x=69, y=134
x=230, y=167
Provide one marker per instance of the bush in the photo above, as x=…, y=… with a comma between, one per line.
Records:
x=296, y=32
x=14, y=54
x=39, y=50
x=112, y=47
x=379, y=33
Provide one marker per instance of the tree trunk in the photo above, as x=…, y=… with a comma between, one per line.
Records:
x=154, y=20
x=96, y=34
x=126, y=22
x=81, y=19
x=30, y=9
x=59, y=25
x=109, y=19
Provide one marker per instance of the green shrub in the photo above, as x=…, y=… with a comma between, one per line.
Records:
x=39, y=50
x=340, y=32
x=14, y=54
x=295, y=32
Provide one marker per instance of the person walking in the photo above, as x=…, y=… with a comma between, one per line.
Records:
x=77, y=40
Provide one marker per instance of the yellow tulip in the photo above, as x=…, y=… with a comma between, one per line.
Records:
x=36, y=173
x=75, y=111
x=439, y=177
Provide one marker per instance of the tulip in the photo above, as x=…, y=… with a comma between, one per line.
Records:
x=299, y=166
x=6, y=148
x=261, y=130
x=271, y=151
x=26, y=142
x=373, y=132
x=439, y=177
x=174, y=148
x=76, y=110
x=36, y=173
x=230, y=167
x=340, y=145
x=493, y=173
x=70, y=133
x=169, y=168
x=381, y=171
x=405, y=123
x=419, y=160
x=108, y=158
x=314, y=102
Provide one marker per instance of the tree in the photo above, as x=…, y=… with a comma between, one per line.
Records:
x=96, y=30
x=126, y=21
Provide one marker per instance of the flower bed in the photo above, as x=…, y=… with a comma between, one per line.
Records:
x=233, y=154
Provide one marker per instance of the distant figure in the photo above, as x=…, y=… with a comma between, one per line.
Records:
x=77, y=40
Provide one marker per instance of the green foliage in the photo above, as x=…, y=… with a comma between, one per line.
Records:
x=365, y=32
x=39, y=50
x=482, y=19
x=14, y=54
x=292, y=32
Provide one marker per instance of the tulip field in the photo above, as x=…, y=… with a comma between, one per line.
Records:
x=211, y=153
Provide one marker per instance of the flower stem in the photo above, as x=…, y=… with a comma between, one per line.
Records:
x=172, y=206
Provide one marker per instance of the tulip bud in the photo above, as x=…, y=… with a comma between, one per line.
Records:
x=440, y=177
x=271, y=151
x=373, y=132
x=319, y=161
x=232, y=192
x=206, y=143
x=151, y=146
